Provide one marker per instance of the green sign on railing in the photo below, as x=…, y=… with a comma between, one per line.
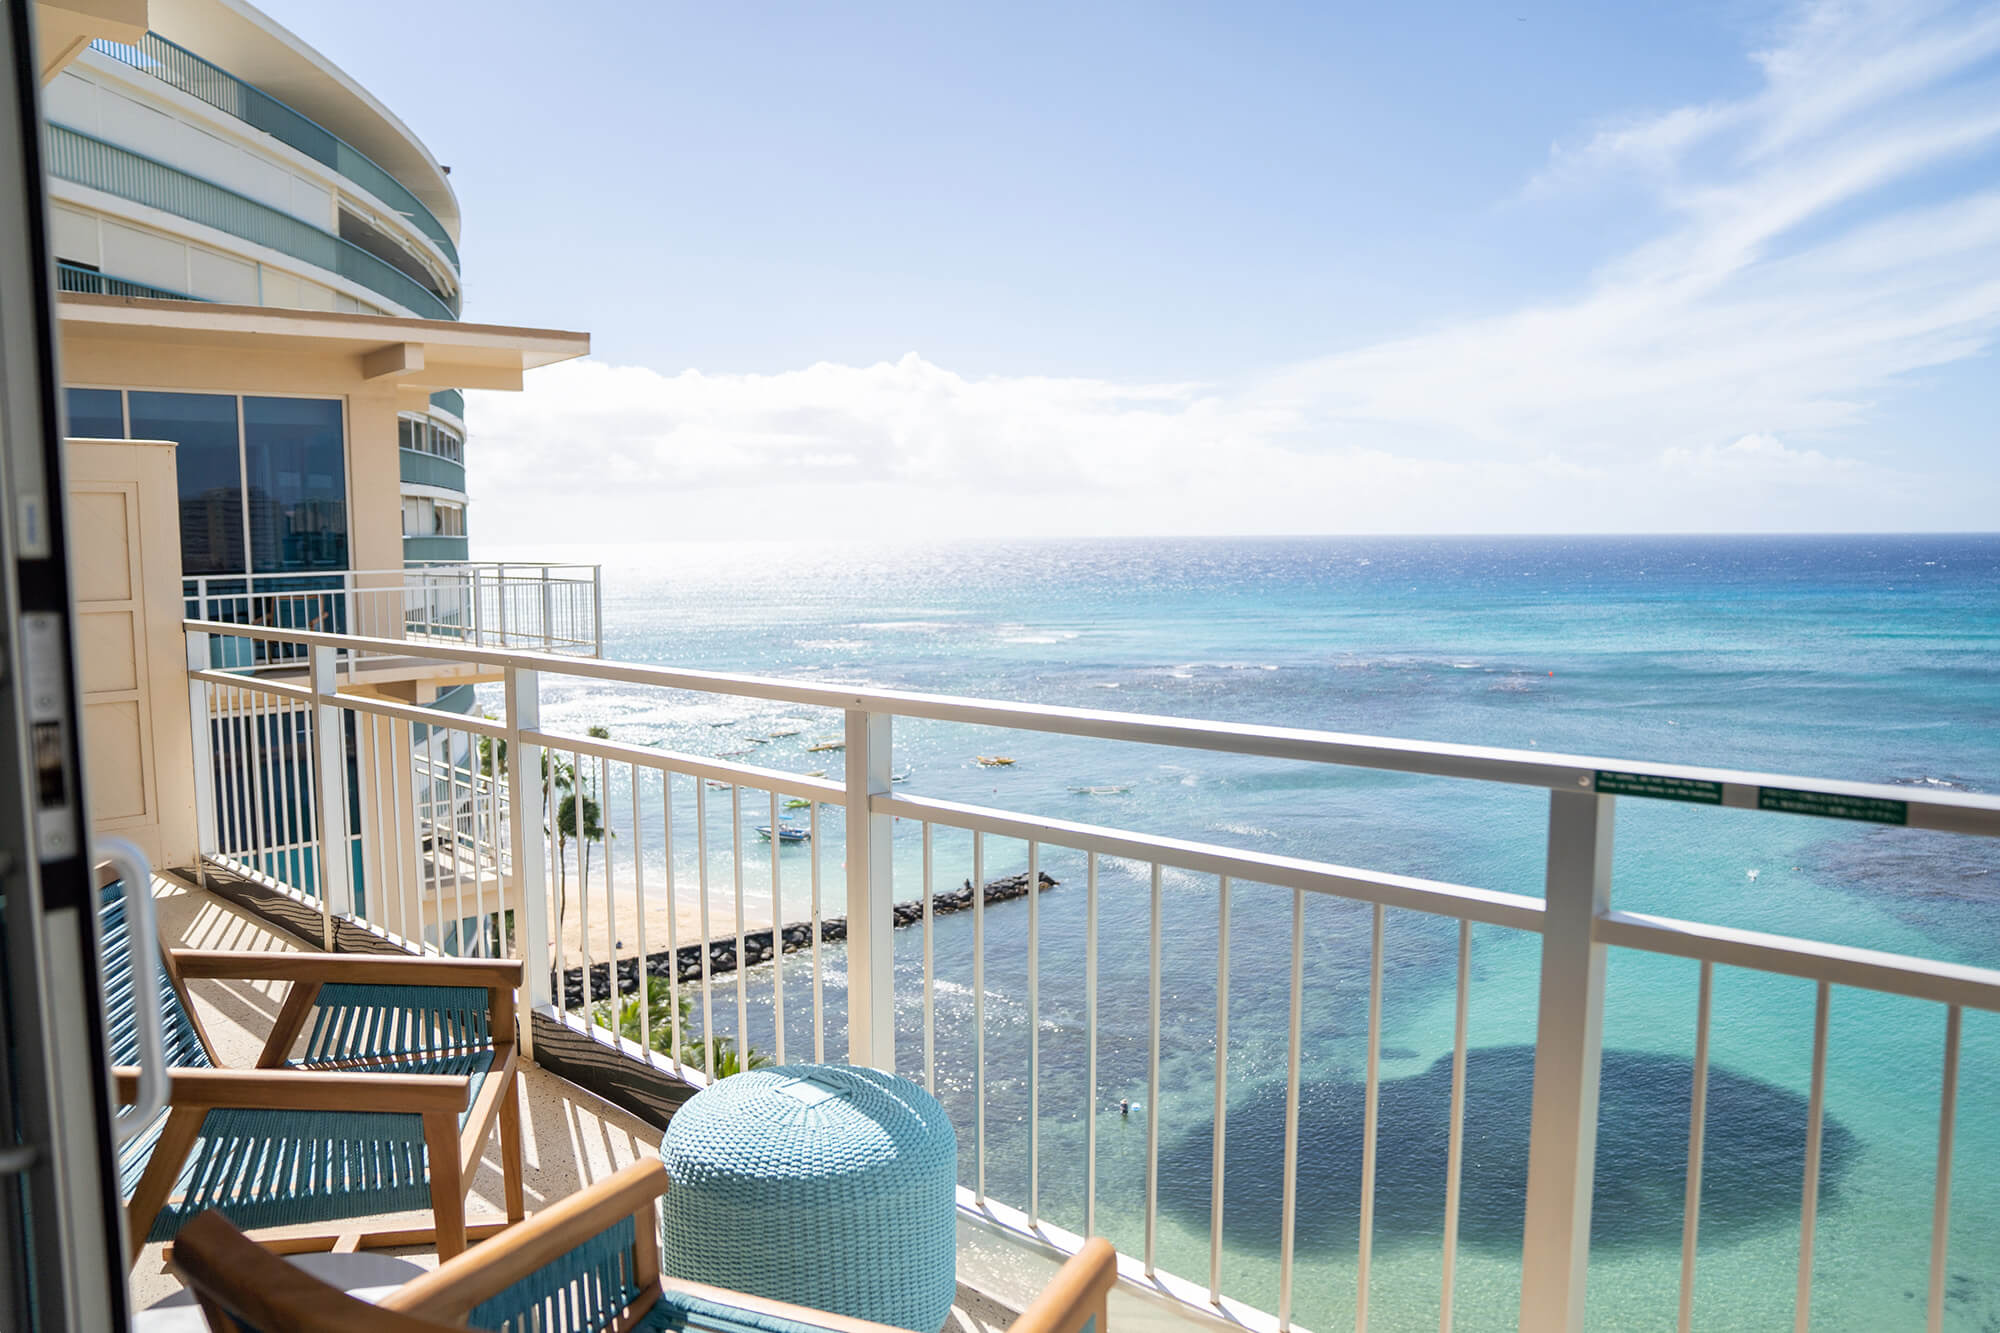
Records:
x=1830, y=805
x=1659, y=788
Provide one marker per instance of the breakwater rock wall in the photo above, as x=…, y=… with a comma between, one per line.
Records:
x=685, y=962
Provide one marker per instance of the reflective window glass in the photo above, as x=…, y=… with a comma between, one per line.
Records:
x=209, y=470
x=94, y=414
x=295, y=459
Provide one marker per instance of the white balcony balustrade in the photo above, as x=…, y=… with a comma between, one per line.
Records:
x=473, y=835
x=528, y=607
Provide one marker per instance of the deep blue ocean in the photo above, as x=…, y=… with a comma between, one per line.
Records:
x=1866, y=658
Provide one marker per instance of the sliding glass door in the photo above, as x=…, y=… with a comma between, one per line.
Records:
x=62, y=1252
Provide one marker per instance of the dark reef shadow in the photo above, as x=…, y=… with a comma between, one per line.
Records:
x=1752, y=1173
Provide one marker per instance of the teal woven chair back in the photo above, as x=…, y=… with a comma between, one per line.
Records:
x=397, y=1022
x=116, y=960
x=582, y=1292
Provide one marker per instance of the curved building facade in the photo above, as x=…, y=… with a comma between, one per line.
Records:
x=218, y=158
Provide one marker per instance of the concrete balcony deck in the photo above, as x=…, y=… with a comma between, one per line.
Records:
x=571, y=1138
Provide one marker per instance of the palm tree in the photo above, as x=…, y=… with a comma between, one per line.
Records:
x=560, y=774
x=694, y=1051
x=580, y=818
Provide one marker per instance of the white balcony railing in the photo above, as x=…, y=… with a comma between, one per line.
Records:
x=447, y=850
x=533, y=608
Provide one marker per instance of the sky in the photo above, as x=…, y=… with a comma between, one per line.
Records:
x=919, y=270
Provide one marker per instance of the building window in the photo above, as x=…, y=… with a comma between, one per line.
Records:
x=295, y=469
x=263, y=481
x=425, y=517
x=425, y=436
x=95, y=414
x=209, y=464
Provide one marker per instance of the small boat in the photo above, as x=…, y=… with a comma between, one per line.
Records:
x=903, y=776
x=826, y=745
x=780, y=735
x=1100, y=791
x=797, y=804
x=818, y=773
x=995, y=761
x=786, y=833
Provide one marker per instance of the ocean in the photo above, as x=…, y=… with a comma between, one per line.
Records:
x=1870, y=658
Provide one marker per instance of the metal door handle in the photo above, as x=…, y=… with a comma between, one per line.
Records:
x=142, y=934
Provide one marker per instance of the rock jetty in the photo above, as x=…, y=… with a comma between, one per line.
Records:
x=686, y=961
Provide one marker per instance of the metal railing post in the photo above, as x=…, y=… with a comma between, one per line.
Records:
x=597, y=609
x=500, y=601
x=527, y=844
x=871, y=911
x=1569, y=1042
x=201, y=737
x=336, y=881
x=477, y=636
x=548, y=612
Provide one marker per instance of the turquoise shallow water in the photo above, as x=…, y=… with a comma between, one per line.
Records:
x=1866, y=658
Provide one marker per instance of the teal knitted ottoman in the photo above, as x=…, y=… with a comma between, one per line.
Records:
x=823, y=1185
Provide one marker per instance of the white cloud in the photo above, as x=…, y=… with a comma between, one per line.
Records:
x=1712, y=377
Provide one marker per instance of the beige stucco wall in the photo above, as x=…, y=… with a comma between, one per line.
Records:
x=374, y=485
x=125, y=576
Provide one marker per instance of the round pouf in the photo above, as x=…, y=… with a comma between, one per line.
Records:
x=823, y=1185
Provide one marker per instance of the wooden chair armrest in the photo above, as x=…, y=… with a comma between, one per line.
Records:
x=230, y=1272
x=304, y=1090
x=450, y=1291
x=1076, y=1293
x=358, y=969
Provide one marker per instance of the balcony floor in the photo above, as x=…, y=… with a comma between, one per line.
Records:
x=570, y=1137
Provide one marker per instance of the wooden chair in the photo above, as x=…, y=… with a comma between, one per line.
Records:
x=589, y=1264
x=409, y=1066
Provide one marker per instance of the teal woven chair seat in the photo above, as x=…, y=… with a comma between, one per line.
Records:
x=279, y=1168
x=354, y=1024
x=819, y=1185
x=679, y=1311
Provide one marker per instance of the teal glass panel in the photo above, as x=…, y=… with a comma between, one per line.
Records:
x=209, y=470
x=295, y=459
x=93, y=414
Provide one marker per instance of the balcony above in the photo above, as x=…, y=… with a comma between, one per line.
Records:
x=255, y=48
x=422, y=469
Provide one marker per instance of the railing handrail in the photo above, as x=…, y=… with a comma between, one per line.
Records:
x=510, y=567
x=1957, y=812
x=417, y=211
x=104, y=281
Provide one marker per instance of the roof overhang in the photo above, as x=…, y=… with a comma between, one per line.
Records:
x=415, y=353
x=64, y=27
